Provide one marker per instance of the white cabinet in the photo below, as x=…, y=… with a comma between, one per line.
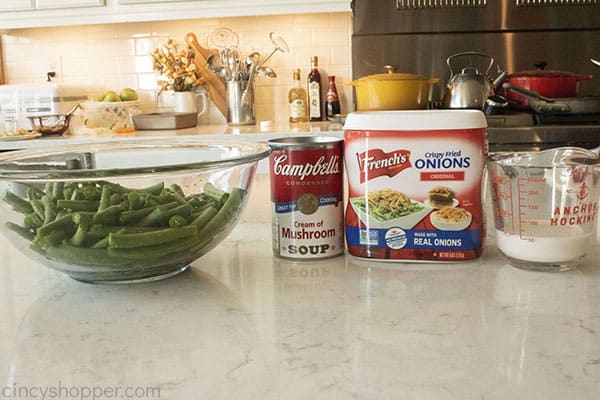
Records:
x=41, y=13
x=47, y=4
x=16, y=5
x=146, y=1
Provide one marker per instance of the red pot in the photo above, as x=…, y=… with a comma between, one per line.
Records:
x=547, y=83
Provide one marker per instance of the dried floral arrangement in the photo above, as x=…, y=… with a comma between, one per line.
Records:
x=175, y=63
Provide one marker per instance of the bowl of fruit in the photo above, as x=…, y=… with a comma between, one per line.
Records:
x=125, y=211
x=110, y=113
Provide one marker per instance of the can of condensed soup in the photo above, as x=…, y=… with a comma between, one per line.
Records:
x=307, y=197
x=415, y=184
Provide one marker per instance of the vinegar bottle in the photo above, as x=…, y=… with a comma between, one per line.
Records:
x=314, y=91
x=332, y=103
x=297, y=100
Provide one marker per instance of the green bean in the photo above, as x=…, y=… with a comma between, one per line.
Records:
x=109, y=215
x=49, y=189
x=83, y=256
x=101, y=230
x=215, y=193
x=177, y=221
x=57, y=190
x=76, y=194
x=136, y=201
x=132, y=216
x=161, y=214
x=18, y=204
x=100, y=244
x=225, y=214
x=79, y=235
x=175, y=188
x=21, y=230
x=90, y=192
x=32, y=221
x=115, y=199
x=105, y=197
x=83, y=217
x=152, y=189
x=60, y=224
x=34, y=193
x=38, y=208
x=157, y=251
x=52, y=239
x=71, y=192
x=78, y=205
x=201, y=220
x=143, y=239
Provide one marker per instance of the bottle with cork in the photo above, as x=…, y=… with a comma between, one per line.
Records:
x=315, y=102
x=297, y=99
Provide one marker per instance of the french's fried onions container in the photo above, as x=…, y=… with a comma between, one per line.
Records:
x=415, y=185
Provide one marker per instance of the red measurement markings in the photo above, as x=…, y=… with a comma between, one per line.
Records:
x=503, y=194
x=526, y=193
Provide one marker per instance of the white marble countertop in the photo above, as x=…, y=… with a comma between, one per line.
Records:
x=242, y=324
x=220, y=132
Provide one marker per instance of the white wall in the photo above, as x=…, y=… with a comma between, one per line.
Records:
x=113, y=56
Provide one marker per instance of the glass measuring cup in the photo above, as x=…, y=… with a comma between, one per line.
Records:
x=545, y=206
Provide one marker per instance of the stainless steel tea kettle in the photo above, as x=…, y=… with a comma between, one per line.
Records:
x=470, y=88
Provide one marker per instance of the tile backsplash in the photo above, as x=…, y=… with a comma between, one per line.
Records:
x=113, y=56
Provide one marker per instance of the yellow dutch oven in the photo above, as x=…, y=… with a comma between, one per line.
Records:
x=392, y=91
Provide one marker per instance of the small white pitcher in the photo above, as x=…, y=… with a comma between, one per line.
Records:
x=188, y=102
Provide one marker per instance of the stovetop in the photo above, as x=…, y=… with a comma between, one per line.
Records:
x=521, y=119
x=523, y=131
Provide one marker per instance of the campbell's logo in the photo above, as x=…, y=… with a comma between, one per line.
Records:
x=320, y=167
x=376, y=162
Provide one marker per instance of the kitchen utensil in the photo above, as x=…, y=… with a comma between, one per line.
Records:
x=545, y=206
x=392, y=91
x=223, y=37
x=280, y=45
x=549, y=83
x=53, y=124
x=214, y=83
x=251, y=63
x=469, y=87
x=90, y=189
x=266, y=71
x=595, y=62
x=546, y=105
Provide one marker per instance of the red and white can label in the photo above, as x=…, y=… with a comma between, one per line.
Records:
x=307, y=197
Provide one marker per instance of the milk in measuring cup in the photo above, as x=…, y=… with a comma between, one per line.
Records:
x=545, y=206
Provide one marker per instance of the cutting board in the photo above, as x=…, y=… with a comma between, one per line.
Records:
x=214, y=85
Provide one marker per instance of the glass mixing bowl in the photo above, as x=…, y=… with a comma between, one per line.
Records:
x=125, y=211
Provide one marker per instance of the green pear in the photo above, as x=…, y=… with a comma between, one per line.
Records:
x=111, y=96
x=128, y=94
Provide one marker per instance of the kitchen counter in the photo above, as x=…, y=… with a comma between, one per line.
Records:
x=242, y=324
x=500, y=138
x=221, y=131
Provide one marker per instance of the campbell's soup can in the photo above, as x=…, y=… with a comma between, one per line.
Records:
x=415, y=184
x=307, y=197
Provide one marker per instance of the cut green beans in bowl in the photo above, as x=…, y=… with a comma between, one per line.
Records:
x=125, y=211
